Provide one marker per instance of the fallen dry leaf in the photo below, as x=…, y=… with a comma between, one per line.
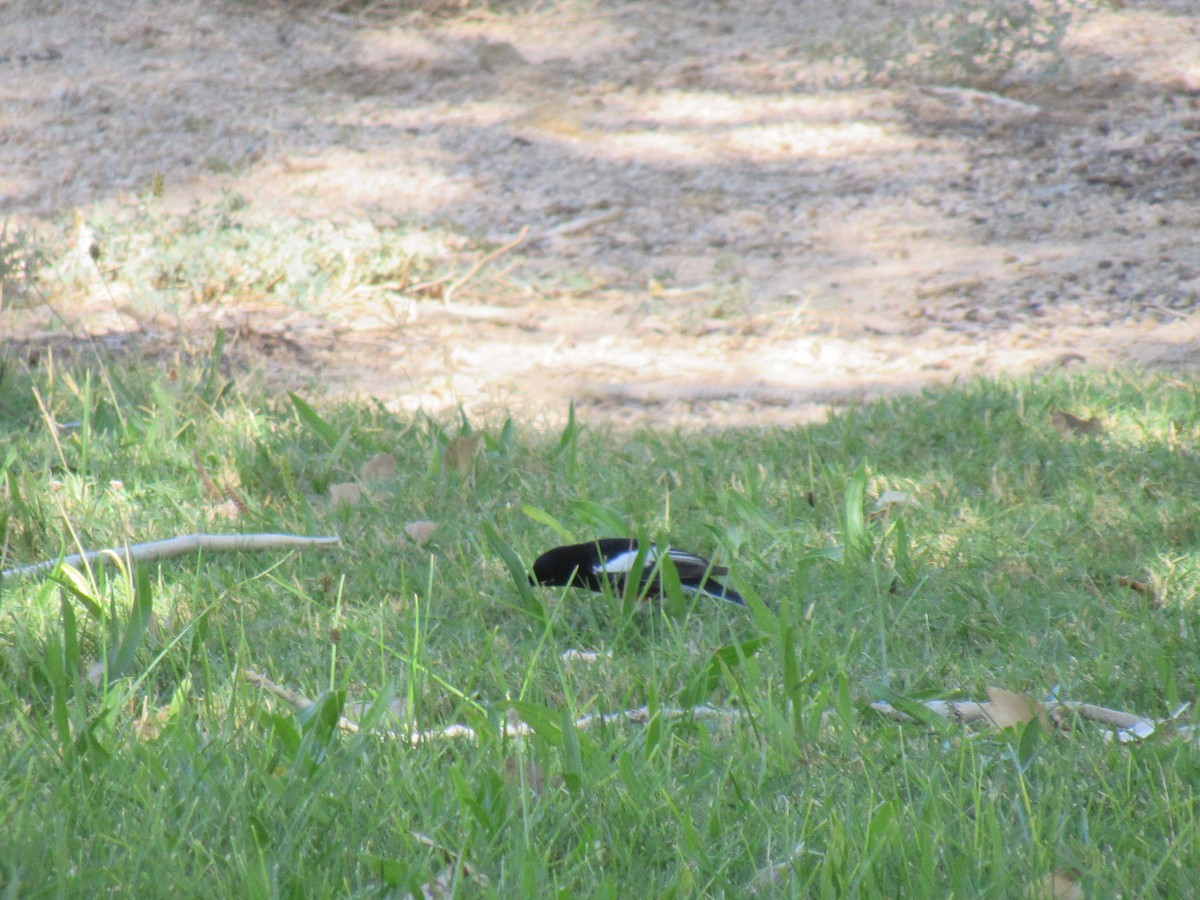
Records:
x=420, y=531
x=1140, y=587
x=889, y=500
x=460, y=453
x=380, y=467
x=1060, y=885
x=1067, y=423
x=150, y=724
x=228, y=510
x=1006, y=709
x=349, y=493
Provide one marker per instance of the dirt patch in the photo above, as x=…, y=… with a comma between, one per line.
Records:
x=726, y=225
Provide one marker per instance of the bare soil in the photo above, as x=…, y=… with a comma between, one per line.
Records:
x=727, y=226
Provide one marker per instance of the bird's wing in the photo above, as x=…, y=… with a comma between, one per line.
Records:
x=619, y=563
x=717, y=590
x=693, y=567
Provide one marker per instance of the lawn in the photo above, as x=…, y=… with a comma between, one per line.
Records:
x=934, y=546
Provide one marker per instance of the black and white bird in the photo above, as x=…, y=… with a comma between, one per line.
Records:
x=609, y=560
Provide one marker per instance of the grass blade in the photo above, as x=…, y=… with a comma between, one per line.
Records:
x=520, y=576
x=856, y=537
x=310, y=417
x=209, y=391
x=544, y=518
x=135, y=629
x=598, y=516
x=570, y=435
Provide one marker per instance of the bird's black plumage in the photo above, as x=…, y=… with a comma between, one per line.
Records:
x=609, y=560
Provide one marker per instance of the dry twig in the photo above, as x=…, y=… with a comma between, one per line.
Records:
x=176, y=546
x=1128, y=726
x=973, y=97
x=515, y=728
x=483, y=261
x=454, y=286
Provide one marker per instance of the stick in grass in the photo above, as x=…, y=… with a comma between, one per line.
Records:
x=176, y=546
x=1128, y=726
x=973, y=711
x=453, y=287
x=516, y=728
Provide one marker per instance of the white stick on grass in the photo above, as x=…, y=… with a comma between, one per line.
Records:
x=1127, y=726
x=513, y=728
x=973, y=711
x=177, y=546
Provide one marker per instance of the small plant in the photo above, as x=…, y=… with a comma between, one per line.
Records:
x=963, y=43
x=225, y=252
x=21, y=259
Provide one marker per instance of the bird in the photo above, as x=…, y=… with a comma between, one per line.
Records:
x=609, y=560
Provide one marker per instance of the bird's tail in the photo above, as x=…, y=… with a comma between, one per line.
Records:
x=720, y=592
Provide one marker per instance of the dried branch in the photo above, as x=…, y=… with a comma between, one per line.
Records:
x=176, y=546
x=293, y=698
x=515, y=727
x=973, y=97
x=453, y=286
x=1128, y=726
x=452, y=289
x=581, y=224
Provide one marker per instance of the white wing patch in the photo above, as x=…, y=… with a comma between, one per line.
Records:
x=683, y=556
x=622, y=563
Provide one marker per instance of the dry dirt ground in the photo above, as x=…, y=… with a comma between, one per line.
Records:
x=753, y=229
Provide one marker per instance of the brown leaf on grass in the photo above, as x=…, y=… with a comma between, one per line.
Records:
x=348, y=493
x=1060, y=885
x=150, y=724
x=890, y=500
x=380, y=467
x=1006, y=709
x=230, y=510
x=1068, y=423
x=461, y=451
x=1140, y=587
x=420, y=531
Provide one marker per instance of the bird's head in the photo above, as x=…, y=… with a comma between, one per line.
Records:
x=555, y=567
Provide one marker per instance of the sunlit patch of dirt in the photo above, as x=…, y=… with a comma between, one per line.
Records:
x=714, y=237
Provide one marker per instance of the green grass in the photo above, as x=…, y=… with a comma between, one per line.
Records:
x=173, y=774
x=143, y=259
x=962, y=43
